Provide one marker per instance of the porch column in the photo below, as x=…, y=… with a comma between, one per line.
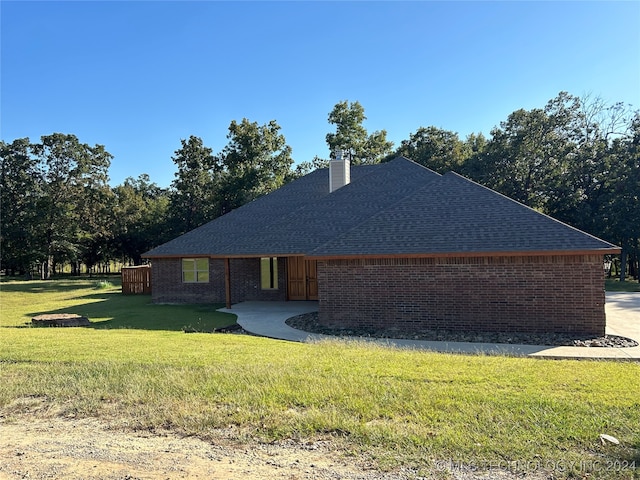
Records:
x=227, y=282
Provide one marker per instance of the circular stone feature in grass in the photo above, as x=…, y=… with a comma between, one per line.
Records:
x=60, y=320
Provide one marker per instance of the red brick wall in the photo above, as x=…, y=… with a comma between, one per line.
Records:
x=167, y=285
x=512, y=294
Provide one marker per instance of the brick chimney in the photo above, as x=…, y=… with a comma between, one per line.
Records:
x=339, y=171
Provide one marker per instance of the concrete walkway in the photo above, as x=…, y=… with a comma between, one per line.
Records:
x=267, y=319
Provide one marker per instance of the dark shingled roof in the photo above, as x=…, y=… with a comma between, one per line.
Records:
x=393, y=208
x=236, y=227
x=455, y=215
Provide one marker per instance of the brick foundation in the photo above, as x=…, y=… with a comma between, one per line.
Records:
x=245, y=282
x=509, y=294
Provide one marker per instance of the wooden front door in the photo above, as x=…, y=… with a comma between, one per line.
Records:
x=302, y=280
x=312, y=279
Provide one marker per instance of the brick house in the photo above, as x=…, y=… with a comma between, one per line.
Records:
x=394, y=245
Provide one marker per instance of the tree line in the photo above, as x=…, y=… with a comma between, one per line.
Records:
x=576, y=159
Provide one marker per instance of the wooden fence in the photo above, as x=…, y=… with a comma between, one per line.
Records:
x=136, y=280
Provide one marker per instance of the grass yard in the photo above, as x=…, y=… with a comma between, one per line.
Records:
x=137, y=367
x=615, y=285
x=102, y=302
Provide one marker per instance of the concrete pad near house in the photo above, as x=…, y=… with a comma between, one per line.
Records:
x=623, y=319
x=267, y=319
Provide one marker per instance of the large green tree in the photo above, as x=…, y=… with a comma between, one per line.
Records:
x=256, y=161
x=194, y=191
x=526, y=156
x=435, y=148
x=96, y=211
x=573, y=159
x=140, y=216
x=621, y=203
x=595, y=129
x=20, y=191
x=304, y=168
x=72, y=218
x=352, y=137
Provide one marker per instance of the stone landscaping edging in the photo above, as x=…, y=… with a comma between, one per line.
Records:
x=308, y=322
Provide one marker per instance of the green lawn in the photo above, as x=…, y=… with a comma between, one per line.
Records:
x=105, y=307
x=137, y=368
x=615, y=285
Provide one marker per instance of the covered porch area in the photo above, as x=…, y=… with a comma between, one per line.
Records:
x=273, y=278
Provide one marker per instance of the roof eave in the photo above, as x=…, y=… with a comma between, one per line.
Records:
x=517, y=253
x=520, y=253
x=215, y=255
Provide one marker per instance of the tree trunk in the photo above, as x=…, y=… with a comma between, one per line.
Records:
x=623, y=265
x=636, y=259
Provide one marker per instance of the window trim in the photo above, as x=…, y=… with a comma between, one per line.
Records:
x=197, y=274
x=273, y=273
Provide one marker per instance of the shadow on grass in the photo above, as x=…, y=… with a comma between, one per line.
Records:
x=58, y=285
x=110, y=309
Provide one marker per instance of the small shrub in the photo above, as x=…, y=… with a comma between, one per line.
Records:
x=196, y=327
x=104, y=284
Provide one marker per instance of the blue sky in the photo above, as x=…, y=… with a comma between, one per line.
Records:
x=139, y=76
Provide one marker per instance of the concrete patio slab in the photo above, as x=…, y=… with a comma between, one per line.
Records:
x=623, y=318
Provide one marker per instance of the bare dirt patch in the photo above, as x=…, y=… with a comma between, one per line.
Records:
x=33, y=447
x=62, y=448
